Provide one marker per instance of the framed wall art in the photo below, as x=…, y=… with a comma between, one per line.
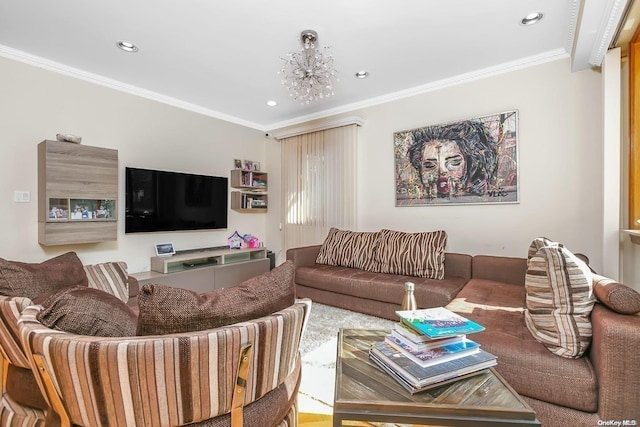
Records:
x=458, y=163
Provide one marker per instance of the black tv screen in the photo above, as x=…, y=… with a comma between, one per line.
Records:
x=173, y=201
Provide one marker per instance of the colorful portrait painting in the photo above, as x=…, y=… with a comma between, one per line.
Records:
x=463, y=162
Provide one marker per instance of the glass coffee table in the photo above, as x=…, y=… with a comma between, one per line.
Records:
x=366, y=393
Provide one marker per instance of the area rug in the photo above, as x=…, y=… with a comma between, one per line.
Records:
x=318, y=349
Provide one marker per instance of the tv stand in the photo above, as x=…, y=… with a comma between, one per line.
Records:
x=199, y=263
x=206, y=270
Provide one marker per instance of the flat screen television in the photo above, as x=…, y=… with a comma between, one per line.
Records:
x=172, y=201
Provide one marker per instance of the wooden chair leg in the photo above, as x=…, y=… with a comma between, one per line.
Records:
x=5, y=373
x=52, y=394
x=240, y=389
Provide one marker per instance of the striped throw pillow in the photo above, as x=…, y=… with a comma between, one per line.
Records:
x=559, y=299
x=354, y=249
x=412, y=254
x=110, y=277
x=536, y=245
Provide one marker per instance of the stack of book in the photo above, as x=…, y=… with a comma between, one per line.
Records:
x=429, y=347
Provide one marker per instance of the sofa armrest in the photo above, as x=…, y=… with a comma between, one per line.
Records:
x=134, y=290
x=303, y=256
x=499, y=269
x=616, y=360
x=134, y=286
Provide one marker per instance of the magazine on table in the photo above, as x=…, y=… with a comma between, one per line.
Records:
x=434, y=355
x=413, y=390
x=419, y=341
x=419, y=376
x=438, y=322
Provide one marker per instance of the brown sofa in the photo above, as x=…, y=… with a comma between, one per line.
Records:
x=601, y=386
x=377, y=294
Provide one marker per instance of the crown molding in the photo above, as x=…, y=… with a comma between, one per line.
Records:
x=573, y=25
x=507, y=67
x=66, y=70
x=57, y=67
x=607, y=30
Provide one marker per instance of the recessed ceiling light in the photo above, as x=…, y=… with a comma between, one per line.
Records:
x=271, y=103
x=127, y=46
x=362, y=74
x=532, y=18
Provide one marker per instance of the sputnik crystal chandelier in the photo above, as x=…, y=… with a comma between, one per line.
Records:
x=309, y=73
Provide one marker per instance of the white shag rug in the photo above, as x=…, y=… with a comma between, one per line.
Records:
x=318, y=349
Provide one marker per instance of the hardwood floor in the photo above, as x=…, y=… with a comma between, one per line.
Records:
x=323, y=420
x=314, y=420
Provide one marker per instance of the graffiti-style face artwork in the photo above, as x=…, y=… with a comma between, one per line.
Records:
x=465, y=162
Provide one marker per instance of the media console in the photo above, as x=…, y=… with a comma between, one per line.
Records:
x=203, y=271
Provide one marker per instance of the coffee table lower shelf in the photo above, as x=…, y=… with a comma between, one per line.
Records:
x=365, y=393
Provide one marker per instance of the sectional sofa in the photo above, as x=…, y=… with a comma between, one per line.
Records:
x=352, y=270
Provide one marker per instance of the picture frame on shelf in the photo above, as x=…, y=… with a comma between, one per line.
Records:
x=237, y=164
x=83, y=209
x=256, y=166
x=58, y=210
x=248, y=165
x=105, y=209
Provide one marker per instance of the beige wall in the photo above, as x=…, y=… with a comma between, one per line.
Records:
x=35, y=104
x=560, y=156
x=560, y=151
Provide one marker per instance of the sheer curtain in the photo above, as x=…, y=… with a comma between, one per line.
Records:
x=318, y=184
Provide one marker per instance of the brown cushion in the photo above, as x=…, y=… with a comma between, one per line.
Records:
x=19, y=279
x=559, y=299
x=616, y=296
x=87, y=311
x=412, y=254
x=355, y=249
x=167, y=310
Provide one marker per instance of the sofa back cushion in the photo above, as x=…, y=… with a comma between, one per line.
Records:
x=354, y=249
x=559, y=299
x=110, y=277
x=21, y=279
x=168, y=310
x=412, y=254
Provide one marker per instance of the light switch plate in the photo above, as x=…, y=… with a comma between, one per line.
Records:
x=22, y=196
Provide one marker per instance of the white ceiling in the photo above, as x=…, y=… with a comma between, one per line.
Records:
x=221, y=58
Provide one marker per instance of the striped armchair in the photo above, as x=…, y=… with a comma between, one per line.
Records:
x=21, y=403
x=16, y=409
x=242, y=374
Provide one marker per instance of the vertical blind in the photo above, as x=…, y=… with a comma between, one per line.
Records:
x=318, y=184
